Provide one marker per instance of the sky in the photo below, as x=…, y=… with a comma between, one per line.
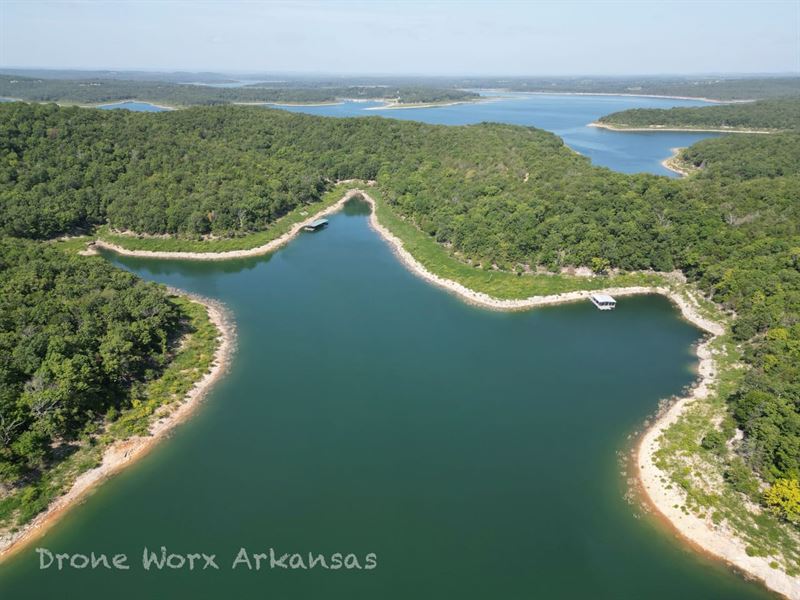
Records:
x=429, y=37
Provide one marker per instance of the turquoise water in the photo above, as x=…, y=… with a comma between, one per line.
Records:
x=474, y=452
x=565, y=115
x=134, y=106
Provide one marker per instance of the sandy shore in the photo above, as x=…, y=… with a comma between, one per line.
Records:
x=467, y=294
x=405, y=257
x=679, y=129
x=669, y=163
x=99, y=104
x=295, y=104
x=123, y=453
x=700, y=533
x=401, y=105
x=626, y=94
x=231, y=254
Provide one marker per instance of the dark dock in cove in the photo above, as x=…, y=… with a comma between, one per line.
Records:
x=316, y=225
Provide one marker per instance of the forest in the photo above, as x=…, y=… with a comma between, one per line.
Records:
x=497, y=196
x=775, y=114
x=745, y=156
x=715, y=87
x=98, y=91
x=78, y=338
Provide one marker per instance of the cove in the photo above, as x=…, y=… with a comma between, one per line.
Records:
x=474, y=452
x=565, y=115
x=134, y=106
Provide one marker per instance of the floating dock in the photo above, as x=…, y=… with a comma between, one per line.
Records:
x=316, y=225
x=603, y=301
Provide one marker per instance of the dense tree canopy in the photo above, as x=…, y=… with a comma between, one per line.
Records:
x=227, y=170
x=773, y=114
x=745, y=157
x=719, y=88
x=76, y=336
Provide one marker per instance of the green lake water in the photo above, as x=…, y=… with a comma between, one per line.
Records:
x=474, y=452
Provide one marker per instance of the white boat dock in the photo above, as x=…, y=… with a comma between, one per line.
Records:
x=603, y=301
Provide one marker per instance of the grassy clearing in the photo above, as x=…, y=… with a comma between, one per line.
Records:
x=191, y=361
x=245, y=242
x=72, y=245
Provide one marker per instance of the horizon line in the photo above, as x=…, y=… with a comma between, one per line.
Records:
x=252, y=72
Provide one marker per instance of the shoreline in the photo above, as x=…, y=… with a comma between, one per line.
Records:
x=407, y=259
x=293, y=104
x=698, y=533
x=629, y=94
x=669, y=163
x=666, y=501
x=102, y=104
x=124, y=453
x=230, y=254
x=679, y=129
x=402, y=105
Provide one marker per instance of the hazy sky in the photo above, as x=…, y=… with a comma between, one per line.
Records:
x=411, y=37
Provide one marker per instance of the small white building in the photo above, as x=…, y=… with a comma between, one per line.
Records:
x=603, y=301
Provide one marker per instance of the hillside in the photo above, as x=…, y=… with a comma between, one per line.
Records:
x=104, y=90
x=717, y=88
x=778, y=114
x=85, y=347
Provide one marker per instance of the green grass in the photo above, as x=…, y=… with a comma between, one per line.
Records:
x=499, y=284
x=188, y=365
x=436, y=258
x=72, y=245
x=696, y=470
x=245, y=242
x=186, y=368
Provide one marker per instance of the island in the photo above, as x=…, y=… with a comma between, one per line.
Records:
x=763, y=116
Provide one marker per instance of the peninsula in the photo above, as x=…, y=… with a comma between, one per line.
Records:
x=764, y=116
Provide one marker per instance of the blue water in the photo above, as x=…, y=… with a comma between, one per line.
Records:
x=227, y=84
x=134, y=106
x=565, y=115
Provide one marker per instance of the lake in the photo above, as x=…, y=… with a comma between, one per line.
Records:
x=565, y=115
x=475, y=453
x=134, y=106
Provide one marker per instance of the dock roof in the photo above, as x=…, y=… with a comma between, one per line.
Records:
x=603, y=298
x=318, y=223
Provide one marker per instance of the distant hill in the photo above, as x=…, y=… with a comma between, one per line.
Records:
x=102, y=90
